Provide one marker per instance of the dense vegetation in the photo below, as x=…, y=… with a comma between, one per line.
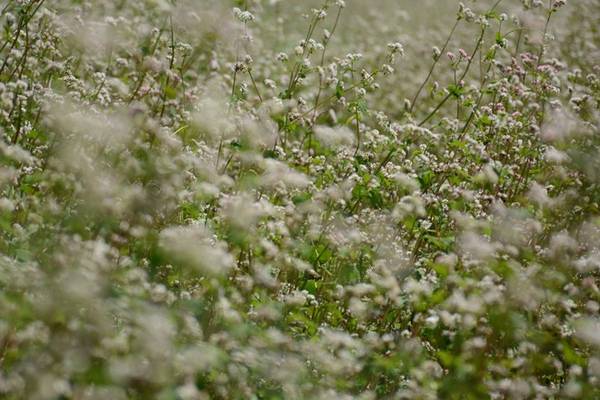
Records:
x=277, y=199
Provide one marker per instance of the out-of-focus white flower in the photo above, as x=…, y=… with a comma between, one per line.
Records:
x=334, y=136
x=195, y=247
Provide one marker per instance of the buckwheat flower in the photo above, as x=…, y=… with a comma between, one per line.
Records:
x=432, y=321
x=243, y=16
x=487, y=175
x=270, y=83
x=153, y=64
x=358, y=308
x=449, y=260
x=278, y=172
x=10, y=19
x=558, y=4
x=16, y=153
x=238, y=66
x=195, y=246
x=588, y=330
x=353, y=57
x=406, y=182
x=51, y=386
x=387, y=69
x=469, y=15
x=477, y=246
x=396, y=47
x=334, y=136
x=296, y=298
x=189, y=391
x=320, y=14
x=7, y=205
x=561, y=245
x=539, y=195
x=407, y=206
x=242, y=212
x=282, y=57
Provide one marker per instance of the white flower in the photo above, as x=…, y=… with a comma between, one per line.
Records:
x=396, y=47
x=334, y=136
x=243, y=16
x=196, y=247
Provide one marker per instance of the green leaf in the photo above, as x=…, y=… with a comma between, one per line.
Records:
x=456, y=91
x=339, y=90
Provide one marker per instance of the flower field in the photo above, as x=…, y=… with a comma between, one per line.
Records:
x=320, y=199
